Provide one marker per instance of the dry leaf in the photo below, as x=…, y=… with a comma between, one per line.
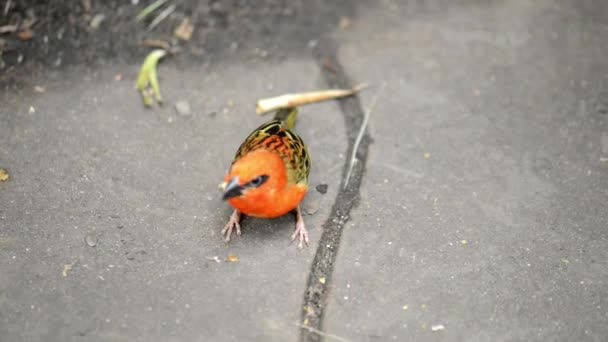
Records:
x=232, y=258
x=3, y=175
x=184, y=30
x=25, y=34
x=66, y=269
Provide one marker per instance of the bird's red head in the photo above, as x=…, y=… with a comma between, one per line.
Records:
x=255, y=182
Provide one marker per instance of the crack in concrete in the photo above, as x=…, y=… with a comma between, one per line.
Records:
x=320, y=276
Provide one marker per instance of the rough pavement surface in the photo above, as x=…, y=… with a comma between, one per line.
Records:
x=481, y=213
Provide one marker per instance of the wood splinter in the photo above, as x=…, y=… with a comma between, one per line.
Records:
x=299, y=99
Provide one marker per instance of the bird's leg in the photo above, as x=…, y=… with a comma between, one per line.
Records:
x=300, y=229
x=234, y=220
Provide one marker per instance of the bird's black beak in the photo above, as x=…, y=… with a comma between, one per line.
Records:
x=232, y=189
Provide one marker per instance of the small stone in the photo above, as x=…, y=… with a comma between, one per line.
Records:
x=322, y=188
x=437, y=327
x=183, y=108
x=90, y=241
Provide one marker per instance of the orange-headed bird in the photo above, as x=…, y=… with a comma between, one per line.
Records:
x=269, y=175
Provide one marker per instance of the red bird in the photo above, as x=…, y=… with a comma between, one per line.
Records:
x=269, y=175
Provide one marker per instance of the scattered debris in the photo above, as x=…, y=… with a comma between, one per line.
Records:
x=327, y=65
x=86, y=5
x=67, y=268
x=149, y=9
x=437, y=327
x=90, y=241
x=25, y=34
x=97, y=20
x=147, y=81
x=8, y=29
x=295, y=100
x=156, y=43
x=183, y=108
x=214, y=258
x=345, y=23
x=162, y=16
x=184, y=30
x=3, y=175
x=232, y=258
x=322, y=188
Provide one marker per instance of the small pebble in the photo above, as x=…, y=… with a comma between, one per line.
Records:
x=322, y=188
x=90, y=241
x=183, y=108
x=437, y=327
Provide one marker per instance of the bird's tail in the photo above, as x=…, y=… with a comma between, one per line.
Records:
x=287, y=116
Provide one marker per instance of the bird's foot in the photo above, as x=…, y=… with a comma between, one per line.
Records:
x=300, y=229
x=233, y=222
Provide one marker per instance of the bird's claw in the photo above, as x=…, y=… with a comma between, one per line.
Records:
x=302, y=233
x=233, y=222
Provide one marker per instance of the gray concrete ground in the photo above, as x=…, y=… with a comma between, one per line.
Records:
x=482, y=212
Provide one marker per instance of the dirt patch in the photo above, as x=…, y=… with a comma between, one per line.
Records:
x=94, y=32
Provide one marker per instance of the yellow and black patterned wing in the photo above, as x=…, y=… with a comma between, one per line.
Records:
x=275, y=137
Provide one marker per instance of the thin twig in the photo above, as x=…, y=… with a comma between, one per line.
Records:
x=162, y=16
x=353, y=157
x=320, y=333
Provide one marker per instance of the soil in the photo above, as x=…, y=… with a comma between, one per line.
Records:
x=93, y=32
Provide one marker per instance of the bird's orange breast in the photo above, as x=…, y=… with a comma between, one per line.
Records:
x=271, y=202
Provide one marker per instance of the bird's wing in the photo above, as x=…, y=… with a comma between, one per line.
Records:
x=275, y=137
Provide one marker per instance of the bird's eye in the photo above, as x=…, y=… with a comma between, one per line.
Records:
x=257, y=181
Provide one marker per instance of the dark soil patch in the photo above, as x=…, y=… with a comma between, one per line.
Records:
x=94, y=32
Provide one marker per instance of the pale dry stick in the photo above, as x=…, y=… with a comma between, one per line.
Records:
x=353, y=157
x=322, y=334
x=299, y=99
